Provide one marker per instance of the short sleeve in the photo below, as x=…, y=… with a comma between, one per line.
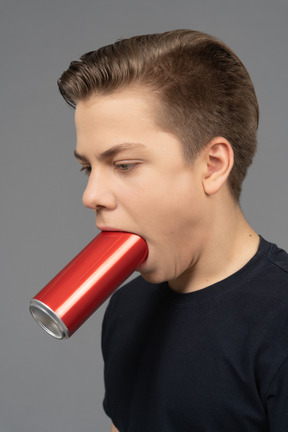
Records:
x=277, y=400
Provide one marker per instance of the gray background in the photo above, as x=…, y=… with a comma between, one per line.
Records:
x=49, y=385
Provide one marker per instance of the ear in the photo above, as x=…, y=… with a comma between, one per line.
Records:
x=218, y=162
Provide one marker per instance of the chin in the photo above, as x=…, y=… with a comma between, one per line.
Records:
x=153, y=277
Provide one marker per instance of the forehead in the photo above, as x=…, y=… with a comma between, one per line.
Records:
x=124, y=116
x=105, y=122
x=134, y=99
x=130, y=115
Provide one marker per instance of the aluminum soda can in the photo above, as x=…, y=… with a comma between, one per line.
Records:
x=81, y=287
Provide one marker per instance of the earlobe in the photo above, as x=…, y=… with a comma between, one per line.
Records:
x=218, y=162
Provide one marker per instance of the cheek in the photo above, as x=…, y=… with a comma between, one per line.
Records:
x=163, y=209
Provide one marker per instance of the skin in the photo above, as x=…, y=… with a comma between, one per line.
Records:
x=140, y=182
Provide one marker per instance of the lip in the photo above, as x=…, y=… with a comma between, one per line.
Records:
x=106, y=228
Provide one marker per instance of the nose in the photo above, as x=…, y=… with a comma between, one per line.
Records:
x=98, y=193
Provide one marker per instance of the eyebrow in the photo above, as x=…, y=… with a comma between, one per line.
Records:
x=111, y=152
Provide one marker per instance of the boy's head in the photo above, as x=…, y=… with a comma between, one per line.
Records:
x=203, y=88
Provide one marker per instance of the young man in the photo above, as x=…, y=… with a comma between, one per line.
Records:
x=166, y=129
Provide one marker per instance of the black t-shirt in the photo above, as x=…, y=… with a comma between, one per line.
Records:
x=214, y=360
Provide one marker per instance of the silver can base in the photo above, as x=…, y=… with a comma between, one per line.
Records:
x=48, y=320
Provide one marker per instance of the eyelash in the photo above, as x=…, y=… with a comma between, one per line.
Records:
x=119, y=167
x=86, y=170
x=125, y=167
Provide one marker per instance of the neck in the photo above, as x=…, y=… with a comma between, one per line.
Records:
x=228, y=244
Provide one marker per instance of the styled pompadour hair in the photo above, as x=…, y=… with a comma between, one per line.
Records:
x=203, y=88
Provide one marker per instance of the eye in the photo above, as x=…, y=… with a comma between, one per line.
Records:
x=125, y=167
x=86, y=170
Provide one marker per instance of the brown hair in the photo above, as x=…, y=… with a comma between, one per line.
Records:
x=204, y=89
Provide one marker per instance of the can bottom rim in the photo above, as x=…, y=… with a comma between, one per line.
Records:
x=48, y=319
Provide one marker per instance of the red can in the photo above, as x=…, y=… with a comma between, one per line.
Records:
x=75, y=293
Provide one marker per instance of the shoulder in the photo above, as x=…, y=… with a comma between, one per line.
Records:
x=268, y=287
x=278, y=258
x=274, y=266
x=268, y=296
x=272, y=280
